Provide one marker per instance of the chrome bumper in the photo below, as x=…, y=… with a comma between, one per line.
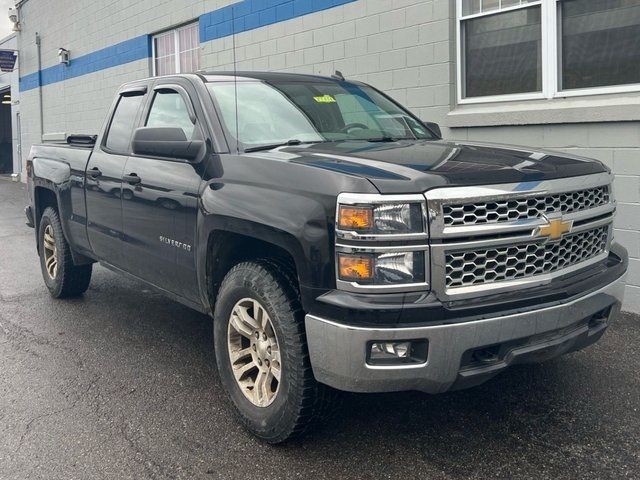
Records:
x=339, y=352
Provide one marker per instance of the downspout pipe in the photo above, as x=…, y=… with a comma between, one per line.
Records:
x=39, y=48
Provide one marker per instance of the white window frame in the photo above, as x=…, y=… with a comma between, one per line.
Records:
x=550, y=60
x=176, y=39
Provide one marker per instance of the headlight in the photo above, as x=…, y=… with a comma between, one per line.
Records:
x=383, y=268
x=381, y=219
x=384, y=217
x=381, y=243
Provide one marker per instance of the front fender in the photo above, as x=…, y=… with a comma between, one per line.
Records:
x=297, y=223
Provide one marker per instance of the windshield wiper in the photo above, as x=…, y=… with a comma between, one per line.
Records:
x=290, y=143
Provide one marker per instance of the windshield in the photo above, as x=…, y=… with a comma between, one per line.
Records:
x=306, y=112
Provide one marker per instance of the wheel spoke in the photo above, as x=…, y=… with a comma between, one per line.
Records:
x=260, y=387
x=237, y=355
x=49, y=242
x=241, y=327
x=275, y=354
x=240, y=371
x=51, y=265
x=259, y=314
x=243, y=313
x=275, y=370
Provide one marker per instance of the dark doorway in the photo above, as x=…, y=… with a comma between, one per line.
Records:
x=6, y=147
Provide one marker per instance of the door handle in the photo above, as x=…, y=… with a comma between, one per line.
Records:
x=131, y=179
x=94, y=172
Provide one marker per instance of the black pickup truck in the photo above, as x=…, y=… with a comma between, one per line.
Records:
x=336, y=240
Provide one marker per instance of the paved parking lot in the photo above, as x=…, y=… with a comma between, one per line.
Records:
x=122, y=384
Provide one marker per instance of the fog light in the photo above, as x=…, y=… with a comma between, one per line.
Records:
x=392, y=353
x=386, y=349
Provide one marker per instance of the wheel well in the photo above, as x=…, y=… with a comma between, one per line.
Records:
x=43, y=198
x=226, y=249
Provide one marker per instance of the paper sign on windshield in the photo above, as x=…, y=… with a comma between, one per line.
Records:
x=325, y=99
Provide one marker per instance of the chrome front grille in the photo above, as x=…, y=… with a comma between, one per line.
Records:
x=477, y=266
x=524, y=207
x=496, y=238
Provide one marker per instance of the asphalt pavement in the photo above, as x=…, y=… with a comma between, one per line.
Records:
x=122, y=383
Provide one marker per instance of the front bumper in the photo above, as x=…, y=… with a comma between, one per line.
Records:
x=339, y=352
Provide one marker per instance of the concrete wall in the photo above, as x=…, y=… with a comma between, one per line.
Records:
x=405, y=47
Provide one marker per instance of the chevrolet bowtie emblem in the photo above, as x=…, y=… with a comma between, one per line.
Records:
x=556, y=228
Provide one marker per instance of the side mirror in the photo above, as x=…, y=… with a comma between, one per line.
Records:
x=434, y=127
x=165, y=142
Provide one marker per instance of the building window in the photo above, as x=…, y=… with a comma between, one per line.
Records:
x=177, y=51
x=525, y=49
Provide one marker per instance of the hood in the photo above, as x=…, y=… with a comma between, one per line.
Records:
x=416, y=166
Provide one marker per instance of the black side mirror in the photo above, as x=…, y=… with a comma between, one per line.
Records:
x=434, y=127
x=166, y=142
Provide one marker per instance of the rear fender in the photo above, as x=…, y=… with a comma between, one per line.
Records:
x=55, y=176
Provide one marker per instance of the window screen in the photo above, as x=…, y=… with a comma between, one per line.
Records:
x=123, y=123
x=600, y=43
x=503, y=53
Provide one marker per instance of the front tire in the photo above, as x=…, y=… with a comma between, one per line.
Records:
x=61, y=276
x=260, y=342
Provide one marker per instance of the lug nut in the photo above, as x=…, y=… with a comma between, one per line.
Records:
x=266, y=362
x=254, y=347
x=257, y=335
x=259, y=362
x=264, y=336
x=269, y=349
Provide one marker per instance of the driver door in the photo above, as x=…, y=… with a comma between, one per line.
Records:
x=160, y=200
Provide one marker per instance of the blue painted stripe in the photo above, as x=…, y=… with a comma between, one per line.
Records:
x=235, y=18
x=128, y=51
x=251, y=14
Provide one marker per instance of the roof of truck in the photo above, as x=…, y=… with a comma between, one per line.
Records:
x=271, y=77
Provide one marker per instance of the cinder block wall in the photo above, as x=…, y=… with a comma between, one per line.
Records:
x=405, y=47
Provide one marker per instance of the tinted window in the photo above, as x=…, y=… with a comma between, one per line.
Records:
x=600, y=43
x=259, y=113
x=169, y=110
x=123, y=123
x=503, y=53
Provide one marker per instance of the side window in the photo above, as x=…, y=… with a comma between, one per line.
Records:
x=169, y=110
x=123, y=123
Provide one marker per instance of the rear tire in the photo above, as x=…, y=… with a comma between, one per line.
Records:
x=61, y=276
x=294, y=404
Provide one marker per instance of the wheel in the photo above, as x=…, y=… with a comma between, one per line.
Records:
x=262, y=355
x=61, y=276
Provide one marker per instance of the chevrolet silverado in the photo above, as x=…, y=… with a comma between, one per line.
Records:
x=337, y=241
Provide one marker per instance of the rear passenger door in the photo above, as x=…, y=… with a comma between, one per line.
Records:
x=160, y=203
x=103, y=183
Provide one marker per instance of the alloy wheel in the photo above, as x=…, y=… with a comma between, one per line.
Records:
x=50, y=252
x=254, y=352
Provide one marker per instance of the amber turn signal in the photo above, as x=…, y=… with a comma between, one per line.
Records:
x=354, y=267
x=359, y=218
